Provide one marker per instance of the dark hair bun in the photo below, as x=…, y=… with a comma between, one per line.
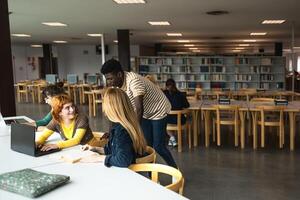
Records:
x=59, y=84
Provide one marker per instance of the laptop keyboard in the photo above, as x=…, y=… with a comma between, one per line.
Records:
x=38, y=152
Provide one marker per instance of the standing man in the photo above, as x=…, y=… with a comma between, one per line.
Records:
x=149, y=102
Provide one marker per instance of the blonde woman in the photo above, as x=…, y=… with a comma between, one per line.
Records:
x=126, y=140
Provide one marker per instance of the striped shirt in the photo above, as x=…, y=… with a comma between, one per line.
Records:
x=155, y=103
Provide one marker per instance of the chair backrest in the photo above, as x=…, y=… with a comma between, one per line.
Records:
x=97, y=95
x=231, y=110
x=179, y=114
x=267, y=111
x=150, y=158
x=155, y=169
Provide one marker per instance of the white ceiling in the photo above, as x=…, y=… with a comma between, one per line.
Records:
x=186, y=16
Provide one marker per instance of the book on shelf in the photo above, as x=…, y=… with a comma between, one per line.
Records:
x=204, y=69
x=264, y=69
x=243, y=77
x=241, y=86
x=254, y=69
x=267, y=77
x=218, y=77
x=266, y=61
x=241, y=61
x=264, y=86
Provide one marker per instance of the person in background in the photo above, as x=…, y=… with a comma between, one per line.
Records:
x=126, y=140
x=178, y=101
x=72, y=126
x=49, y=92
x=148, y=101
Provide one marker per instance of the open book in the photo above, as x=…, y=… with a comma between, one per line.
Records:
x=77, y=155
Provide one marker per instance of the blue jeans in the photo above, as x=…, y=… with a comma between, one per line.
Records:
x=155, y=135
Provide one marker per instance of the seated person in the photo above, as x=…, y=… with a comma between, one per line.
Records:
x=49, y=92
x=73, y=127
x=178, y=101
x=126, y=140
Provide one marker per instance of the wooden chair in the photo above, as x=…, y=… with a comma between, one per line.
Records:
x=179, y=127
x=84, y=88
x=22, y=89
x=178, y=183
x=227, y=115
x=150, y=158
x=198, y=92
x=97, y=99
x=271, y=116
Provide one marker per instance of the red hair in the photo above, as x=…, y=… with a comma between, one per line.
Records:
x=57, y=103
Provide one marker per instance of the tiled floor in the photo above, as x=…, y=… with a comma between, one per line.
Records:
x=223, y=172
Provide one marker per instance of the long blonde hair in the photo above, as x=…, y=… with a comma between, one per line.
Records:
x=118, y=109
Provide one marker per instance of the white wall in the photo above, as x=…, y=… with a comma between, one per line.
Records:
x=22, y=66
x=72, y=59
x=79, y=59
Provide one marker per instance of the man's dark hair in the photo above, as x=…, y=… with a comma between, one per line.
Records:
x=111, y=66
x=170, y=82
x=54, y=89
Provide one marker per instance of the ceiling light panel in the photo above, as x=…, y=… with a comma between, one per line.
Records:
x=259, y=33
x=174, y=34
x=94, y=34
x=249, y=40
x=159, y=23
x=20, y=35
x=54, y=24
x=189, y=45
x=36, y=46
x=183, y=41
x=129, y=1
x=244, y=45
x=59, y=41
x=280, y=21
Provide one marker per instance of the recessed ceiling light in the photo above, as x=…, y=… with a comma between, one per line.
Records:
x=189, y=45
x=193, y=48
x=174, y=34
x=244, y=45
x=239, y=48
x=59, y=41
x=196, y=51
x=280, y=21
x=183, y=41
x=116, y=41
x=236, y=50
x=36, y=45
x=129, y=1
x=54, y=24
x=20, y=35
x=249, y=40
x=159, y=23
x=259, y=33
x=94, y=34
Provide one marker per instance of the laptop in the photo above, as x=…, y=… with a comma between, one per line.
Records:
x=23, y=140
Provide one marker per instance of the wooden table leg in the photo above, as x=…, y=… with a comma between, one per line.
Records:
x=207, y=128
x=242, y=117
x=90, y=96
x=195, y=114
x=254, y=128
x=292, y=130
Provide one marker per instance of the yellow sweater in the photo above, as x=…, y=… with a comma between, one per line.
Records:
x=68, y=131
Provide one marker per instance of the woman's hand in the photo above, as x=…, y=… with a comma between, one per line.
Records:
x=86, y=147
x=47, y=147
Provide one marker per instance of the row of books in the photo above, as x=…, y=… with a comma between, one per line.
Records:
x=243, y=77
x=267, y=77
